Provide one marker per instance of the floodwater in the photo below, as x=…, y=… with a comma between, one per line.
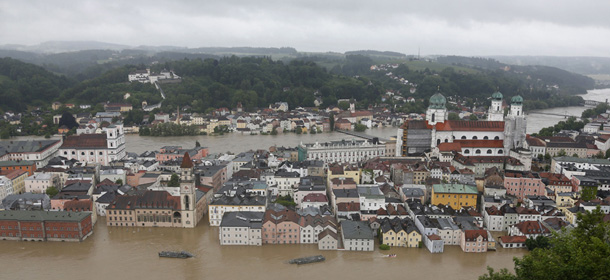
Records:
x=237, y=142
x=131, y=253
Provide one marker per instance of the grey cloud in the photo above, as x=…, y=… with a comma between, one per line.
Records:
x=478, y=27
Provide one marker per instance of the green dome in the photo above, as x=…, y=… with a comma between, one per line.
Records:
x=497, y=95
x=517, y=99
x=437, y=101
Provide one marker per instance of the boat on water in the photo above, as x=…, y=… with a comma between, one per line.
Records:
x=312, y=259
x=390, y=256
x=179, y=255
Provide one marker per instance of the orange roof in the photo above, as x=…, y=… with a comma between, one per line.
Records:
x=85, y=141
x=512, y=239
x=471, y=235
x=450, y=125
x=480, y=143
x=186, y=161
x=448, y=147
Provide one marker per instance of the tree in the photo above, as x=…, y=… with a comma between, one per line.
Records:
x=174, y=181
x=538, y=242
x=473, y=117
x=454, y=116
x=588, y=193
x=562, y=153
x=331, y=119
x=360, y=127
x=119, y=182
x=68, y=120
x=52, y=191
x=582, y=253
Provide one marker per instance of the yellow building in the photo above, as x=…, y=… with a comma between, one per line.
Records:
x=565, y=200
x=17, y=178
x=343, y=171
x=454, y=195
x=400, y=233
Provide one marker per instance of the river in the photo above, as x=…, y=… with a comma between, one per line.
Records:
x=539, y=119
x=237, y=142
x=131, y=253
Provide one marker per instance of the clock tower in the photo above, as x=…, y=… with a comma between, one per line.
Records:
x=187, y=192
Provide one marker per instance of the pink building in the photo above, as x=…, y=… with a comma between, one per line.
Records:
x=168, y=153
x=281, y=226
x=523, y=184
x=474, y=241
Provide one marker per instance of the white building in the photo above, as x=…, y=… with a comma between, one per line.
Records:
x=96, y=148
x=371, y=198
x=350, y=151
x=6, y=187
x=357, y=236
x=39, y=182
x=241, y=228
x=39, y=151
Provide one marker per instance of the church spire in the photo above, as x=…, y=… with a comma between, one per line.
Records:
x=186, y=161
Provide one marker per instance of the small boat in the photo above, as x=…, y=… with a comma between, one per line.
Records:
x=390, y=256
x=312, y=259
x=179, y=255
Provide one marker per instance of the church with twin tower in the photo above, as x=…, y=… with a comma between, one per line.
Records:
x=496, y=136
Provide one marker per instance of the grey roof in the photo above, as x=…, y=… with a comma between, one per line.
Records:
x=62, y=216
x=77, y=187
x=13, y=201
x=583, y=160
x=356, y=230
x=242, y=219
x=346, y=193
x=370, y=192
x=413, y=192
x=447, y=223
x=200, y=194
x=27, y=146
x=106, y=198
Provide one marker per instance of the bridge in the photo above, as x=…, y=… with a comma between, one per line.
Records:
x=593, y=103
x=361, y=135
x=566, y=115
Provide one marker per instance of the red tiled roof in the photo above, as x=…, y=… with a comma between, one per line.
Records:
x=315, y=197
x=434, y=237
x=512, y=239
x=78, y=205
x=471, y=235
x=186, y=161
x=448, y=147
x=348, y=206
x=450, y=125
x=12, y=174
x=85, y=141
x=480, y=143
x=532, y=227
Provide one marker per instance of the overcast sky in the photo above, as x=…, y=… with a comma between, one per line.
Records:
x=485, y=27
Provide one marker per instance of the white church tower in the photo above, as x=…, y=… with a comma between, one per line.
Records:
x=187, y=193
x=496, y=113
x=515, y=125
x=437, y=112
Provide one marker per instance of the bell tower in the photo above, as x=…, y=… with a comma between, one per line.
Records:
x=496, y=112
x=437, y=111
x=187, y=192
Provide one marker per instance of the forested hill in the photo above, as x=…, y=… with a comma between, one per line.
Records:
x=23, y=84
x=548, y=74
x=256, y=82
